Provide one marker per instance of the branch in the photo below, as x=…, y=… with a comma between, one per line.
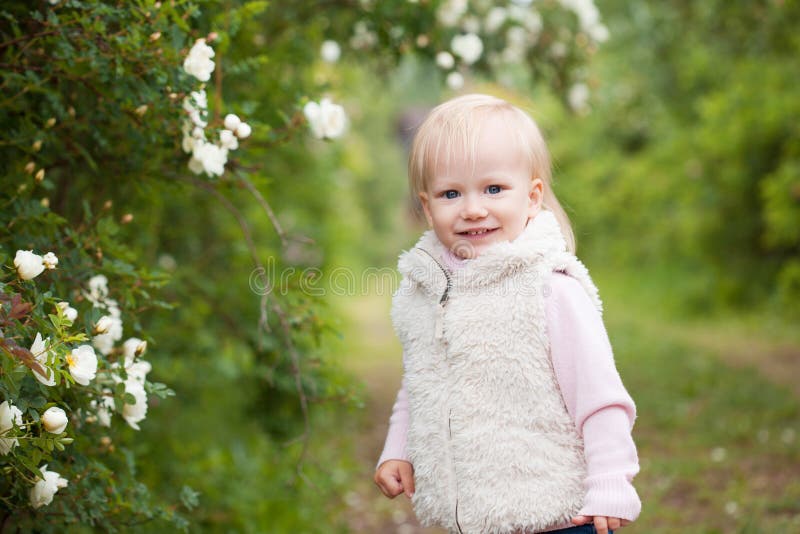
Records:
x=27, y=38
x=279, y=312
x=266, y=207
x=299, y=386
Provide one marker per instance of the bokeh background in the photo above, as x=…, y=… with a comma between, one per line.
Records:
x=676, y=148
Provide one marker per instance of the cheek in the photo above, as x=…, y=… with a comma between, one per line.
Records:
x=443, y=213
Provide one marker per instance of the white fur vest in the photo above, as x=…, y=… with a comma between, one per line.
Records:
x=493, y=447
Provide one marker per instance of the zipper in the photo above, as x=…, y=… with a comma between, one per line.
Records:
x=439, y=322
x=439, y=334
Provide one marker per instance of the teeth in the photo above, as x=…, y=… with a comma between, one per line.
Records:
x=477, y=232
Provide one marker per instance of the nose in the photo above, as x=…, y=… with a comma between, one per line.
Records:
x=473, y=208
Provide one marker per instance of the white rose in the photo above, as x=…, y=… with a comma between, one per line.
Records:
x=200, y=99
x=195, y=165
x=198, y=62
x=211, y=157
x=45, y=487
x=102, y=325
x=9, y=414
x=187, y=144
x=104, y=407
x=455, y=81
x=451, y=11
x=138, y=371
x=587, y=13
x=495, y=18
x=103, y=343
x=40, y=352
x=196, y=117
x=132, y=348
x=228, y=140
x=50, y=260
x=578, y=97
x=468, y=47
x=243, y=131
x=98, y=289
x=528, y=17
x=334, y=119
x=133, y=413
x=598, y=32
x=55, y=420
x=28, y=264
x=445, y=60
x=232, y=122
x=82, y=363
x=330, y=51
x=313, y=116
x=115, y=330
x=326, y=119
x=69, y=312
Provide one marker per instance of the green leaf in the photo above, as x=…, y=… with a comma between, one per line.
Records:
x=189, y=497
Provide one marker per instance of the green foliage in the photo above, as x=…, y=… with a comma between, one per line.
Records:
x=712, y=438
x=246, y=429
x=690, y=155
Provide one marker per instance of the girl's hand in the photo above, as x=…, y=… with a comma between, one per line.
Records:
x=602, y=524
x=394, y=477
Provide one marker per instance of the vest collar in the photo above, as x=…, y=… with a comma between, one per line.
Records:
x=423, y=264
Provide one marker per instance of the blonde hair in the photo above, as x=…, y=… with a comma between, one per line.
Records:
x=454, y=127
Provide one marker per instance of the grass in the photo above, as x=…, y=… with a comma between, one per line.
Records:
x=718, y=412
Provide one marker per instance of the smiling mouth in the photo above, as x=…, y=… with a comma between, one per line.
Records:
x=477, y=233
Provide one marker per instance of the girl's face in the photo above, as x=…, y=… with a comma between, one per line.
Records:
x=471, y=207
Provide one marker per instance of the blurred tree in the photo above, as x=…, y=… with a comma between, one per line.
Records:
x=691, y=151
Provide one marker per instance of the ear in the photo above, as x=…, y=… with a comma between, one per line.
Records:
x=536, y=197
x=423, y=199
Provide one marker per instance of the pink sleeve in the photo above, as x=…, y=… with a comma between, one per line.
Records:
x=395, y=446
x=595, y=397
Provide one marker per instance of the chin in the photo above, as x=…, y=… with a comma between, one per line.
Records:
x=467, y=250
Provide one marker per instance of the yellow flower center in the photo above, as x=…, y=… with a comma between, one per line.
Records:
x=70, y=360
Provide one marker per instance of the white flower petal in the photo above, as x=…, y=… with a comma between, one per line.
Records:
x=82, y=363
x=46, y=487
x=468, y=47
x=232, y=121
x=55, y=420
x=243, y=131
x=198, y=62
x=50, y=260
x=28, y=264
x=42, y=355
x=9, y=414
x=134, y=413
x=330, y=51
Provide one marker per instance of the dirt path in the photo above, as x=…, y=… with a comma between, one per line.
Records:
x=737, y=344
x=375, y=356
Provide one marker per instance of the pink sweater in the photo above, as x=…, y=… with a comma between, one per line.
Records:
x=594, y=395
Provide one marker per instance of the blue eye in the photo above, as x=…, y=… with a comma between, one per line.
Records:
x=494, y=189
x=450, y=193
